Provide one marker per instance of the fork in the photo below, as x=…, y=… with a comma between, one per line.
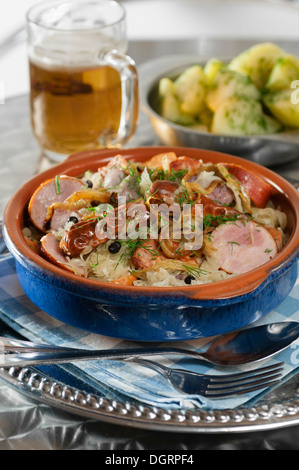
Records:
x=25, y=353
x=218, y=386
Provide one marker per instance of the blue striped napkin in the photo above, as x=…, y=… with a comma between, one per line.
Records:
x=121, y=380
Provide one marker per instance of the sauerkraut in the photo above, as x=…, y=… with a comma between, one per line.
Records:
x=113, y=229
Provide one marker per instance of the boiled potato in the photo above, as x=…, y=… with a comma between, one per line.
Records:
x=283, y=106
x=257, y=62
x=211, y=68
x=284, y=72
x=242, y=116
x=170, y=105
x=229, y=83
x=205, y=117
x=251, y=95
x=190, y=88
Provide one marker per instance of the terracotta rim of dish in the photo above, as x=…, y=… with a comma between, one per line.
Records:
x=76, y=164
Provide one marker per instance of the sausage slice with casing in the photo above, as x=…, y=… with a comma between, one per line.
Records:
x=51, y=251
x=49, y=192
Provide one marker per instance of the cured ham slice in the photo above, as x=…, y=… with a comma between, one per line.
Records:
x=48, y=193
x=242, y=246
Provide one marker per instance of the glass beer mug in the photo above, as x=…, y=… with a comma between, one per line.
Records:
x=83, y=86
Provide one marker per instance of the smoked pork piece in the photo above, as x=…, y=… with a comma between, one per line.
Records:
x=242, y=246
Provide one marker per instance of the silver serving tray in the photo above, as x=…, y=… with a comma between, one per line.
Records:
x=279, y=409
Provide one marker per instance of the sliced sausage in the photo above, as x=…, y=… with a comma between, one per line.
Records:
x=51, y=251
x=276, y=234
x=242, y=246
x=256, y=187
x=60, y=217
x=222, y=194
x=79, y=237
x=185, y=163
x=172, y=249
x=76, y=201
x=164, y=191
x=147, y=255
x=33, y=244
x=48, y=193
x=161, y=161
x=211, y=208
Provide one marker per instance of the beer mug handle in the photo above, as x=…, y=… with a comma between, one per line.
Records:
x=129, y=95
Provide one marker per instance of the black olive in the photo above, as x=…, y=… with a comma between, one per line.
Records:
x=47, y=225
x=89, y=184
x=188, y=279
x=74, y=219
x=114, y=247
x=114, y=199
x=95, y=203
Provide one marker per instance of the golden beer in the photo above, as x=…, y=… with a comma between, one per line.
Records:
x=74, y=108
x=83, y=85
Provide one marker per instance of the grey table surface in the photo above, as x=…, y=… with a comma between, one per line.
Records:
x=27, y=424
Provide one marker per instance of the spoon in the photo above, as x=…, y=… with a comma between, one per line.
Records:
x=240, y=347
x=252, y=344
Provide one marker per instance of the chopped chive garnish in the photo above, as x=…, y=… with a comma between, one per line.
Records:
x=195, y=272
x=232, y=244
x=97, y=262
x=57, y=184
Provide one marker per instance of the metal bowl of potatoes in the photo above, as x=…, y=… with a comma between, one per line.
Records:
x=246, y=106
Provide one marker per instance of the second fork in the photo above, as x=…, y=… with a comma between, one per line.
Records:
x=218, y=386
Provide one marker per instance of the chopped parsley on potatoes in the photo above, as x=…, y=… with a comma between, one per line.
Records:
x=251, y=95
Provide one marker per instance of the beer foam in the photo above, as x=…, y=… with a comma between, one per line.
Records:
x=74, y=49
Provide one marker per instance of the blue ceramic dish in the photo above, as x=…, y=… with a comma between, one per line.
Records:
x=153, y=314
